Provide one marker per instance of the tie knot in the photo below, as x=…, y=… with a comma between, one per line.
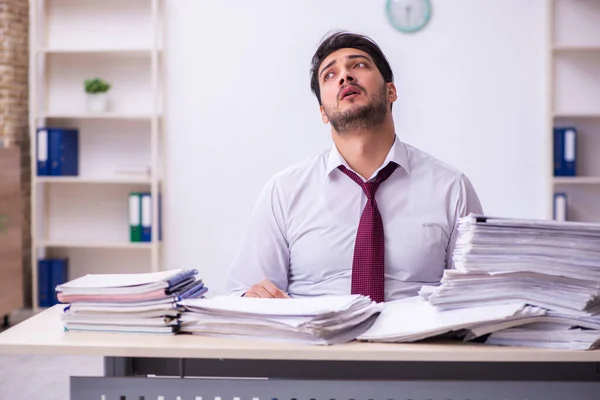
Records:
x=371, y=187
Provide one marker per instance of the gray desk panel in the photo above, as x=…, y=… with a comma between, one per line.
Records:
x=353, y=370
x=86, y=388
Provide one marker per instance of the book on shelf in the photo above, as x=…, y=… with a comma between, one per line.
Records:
x=57, y=151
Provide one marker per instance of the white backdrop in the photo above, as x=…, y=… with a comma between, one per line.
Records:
x=239, y=108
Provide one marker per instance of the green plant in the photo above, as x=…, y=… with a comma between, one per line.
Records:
x=3, y=222
x=96, y=85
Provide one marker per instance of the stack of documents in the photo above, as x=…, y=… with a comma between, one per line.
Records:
x=554, y=337
x=321, y=320
x=546, y=264
x=144, y=302
x=414, y=319
x=549, y=264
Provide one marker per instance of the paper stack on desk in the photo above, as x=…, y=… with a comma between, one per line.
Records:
x=321, y=320
x=414, y=319
x=548, y=264
x=145, y=302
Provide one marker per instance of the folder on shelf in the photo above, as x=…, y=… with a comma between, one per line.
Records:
x=146, y=201
x=565, y=151
x=59, y=275
x=560, y=207
x=45, y=293
x=135, y=216
x=43, y=164
x=52, y=272
x=63, y=151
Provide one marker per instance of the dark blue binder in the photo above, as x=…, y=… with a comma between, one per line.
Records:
x=59, y=275
x=41, y=147
x=44, y=293
x=63, y=151
x=565, y=151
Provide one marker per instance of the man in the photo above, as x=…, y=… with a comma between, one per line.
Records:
x=372, y=215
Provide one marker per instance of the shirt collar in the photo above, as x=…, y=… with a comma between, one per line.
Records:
x=397, y=153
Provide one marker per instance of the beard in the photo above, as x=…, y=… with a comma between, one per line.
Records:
x=369, y=116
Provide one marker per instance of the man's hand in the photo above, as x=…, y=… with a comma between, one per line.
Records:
x=267, y=290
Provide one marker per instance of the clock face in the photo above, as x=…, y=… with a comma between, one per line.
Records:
x=408, y=15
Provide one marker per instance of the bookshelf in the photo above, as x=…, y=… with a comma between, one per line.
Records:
x=574, y=101
x=85, y=217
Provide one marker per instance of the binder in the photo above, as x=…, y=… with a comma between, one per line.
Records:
x=45, y=294
x=560, y=207
x=135, y=216
x=146, y=220
x=159, y=205
x=63, y=151
x=565, y=151
x=43, y=165
x=59, y=268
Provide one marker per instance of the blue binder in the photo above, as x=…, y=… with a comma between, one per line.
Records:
x=146, y=201
x=44, y=283
x=565, y=151
x=59, y=275
x=63, y=151
x=41, y=146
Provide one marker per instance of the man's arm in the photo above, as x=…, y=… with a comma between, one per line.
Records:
x=263, y=253
x=466, y=202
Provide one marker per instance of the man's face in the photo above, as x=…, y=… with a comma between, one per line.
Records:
x=353, y=92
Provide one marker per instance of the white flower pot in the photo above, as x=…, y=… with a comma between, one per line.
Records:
x=97, y=102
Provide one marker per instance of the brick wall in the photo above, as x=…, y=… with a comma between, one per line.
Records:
x=14, y=109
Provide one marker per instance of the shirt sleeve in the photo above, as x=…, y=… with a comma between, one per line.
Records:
x=263, y=252
x=467, y=202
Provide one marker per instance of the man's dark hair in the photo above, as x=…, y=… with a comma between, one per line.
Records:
x=343, y=39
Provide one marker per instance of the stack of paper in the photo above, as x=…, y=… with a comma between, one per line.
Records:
x=320, y=320
x=144, y=302
x=413, y=319
x=555, y=337
x=549, y=264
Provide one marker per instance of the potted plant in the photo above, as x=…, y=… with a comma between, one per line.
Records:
x=96, y=90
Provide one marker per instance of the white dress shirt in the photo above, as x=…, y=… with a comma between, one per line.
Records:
x=303, y=227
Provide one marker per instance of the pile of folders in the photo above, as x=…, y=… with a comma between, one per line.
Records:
x=145, y=302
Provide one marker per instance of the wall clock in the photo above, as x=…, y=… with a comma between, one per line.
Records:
x=408, y=16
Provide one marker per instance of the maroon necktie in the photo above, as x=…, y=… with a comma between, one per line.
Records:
x=367, y=265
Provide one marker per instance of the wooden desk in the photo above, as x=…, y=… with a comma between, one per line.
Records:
x=348, y=371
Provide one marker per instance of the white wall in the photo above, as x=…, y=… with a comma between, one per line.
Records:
x=471, y=92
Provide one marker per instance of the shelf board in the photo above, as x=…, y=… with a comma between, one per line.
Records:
x=104, y=181
x=577, y=49
x=577, y=180
x=101, y=116
x=106, y=51
x=96, y=245
x=578, y=115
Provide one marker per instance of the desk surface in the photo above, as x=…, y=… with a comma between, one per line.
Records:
x=43, y=334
